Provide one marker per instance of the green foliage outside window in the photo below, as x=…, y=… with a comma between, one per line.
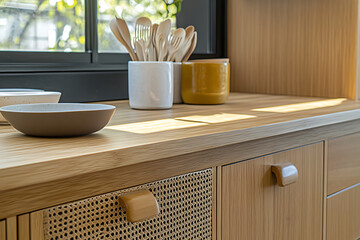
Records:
x=130, y=10
x=59, y=25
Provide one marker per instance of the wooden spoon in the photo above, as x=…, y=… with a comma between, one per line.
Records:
x=143, y=32
x=163, y=33
x=114, y=28
x=125, y=33
x=161, y=45
x=152, y=49
x=192, y=48
x=176, y=41
x=186, y=44
x=139, y=50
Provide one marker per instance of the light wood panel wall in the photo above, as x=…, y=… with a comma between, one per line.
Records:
x=297, y=47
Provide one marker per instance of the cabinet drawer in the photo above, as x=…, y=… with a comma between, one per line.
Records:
x=254, y=206
x=343, y=162
x=343, y=215
x=185, y=204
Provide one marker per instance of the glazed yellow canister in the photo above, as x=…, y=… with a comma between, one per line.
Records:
x=205, y=82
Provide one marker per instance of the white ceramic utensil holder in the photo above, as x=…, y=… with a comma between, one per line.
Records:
x=151, y=85
x=177, y=82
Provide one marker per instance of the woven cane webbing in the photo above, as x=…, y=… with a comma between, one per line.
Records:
x=185, y=213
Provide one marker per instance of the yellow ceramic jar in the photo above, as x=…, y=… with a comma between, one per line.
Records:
x=205, y=82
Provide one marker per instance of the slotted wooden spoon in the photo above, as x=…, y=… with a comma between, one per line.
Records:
x=143, y=27
x=176, y=41
x=162, y=34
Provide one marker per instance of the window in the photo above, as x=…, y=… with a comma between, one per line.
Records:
x=38, y=25
x=130, y=11
x=67, y=45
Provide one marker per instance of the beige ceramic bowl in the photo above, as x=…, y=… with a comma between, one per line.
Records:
x=58, y=120
x=12, y=98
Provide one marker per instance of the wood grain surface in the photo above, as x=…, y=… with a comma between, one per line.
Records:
x=36, y=225
x=11, y=228
x=24, y=227
x=39, y=160
x=112, y=160
x=343, y=214
x=255, y=207
x=343, y=162
x=139, y=205
x=34, y=197
x=326, y=154
x=214, y=210
x=2, y=229
x=297, y=47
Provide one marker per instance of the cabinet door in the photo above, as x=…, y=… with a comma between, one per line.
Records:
x=343, y=164
x=255, y=207
x=343, y=215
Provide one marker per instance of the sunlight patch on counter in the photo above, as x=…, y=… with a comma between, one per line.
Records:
x=302, y=106
x=216, y=118
x=155, y=126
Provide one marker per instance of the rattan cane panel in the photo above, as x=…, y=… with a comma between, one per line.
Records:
x=185, y=213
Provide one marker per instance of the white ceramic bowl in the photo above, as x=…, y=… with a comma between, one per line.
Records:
x=20, y=90
x=58, y=119
x=12, y=98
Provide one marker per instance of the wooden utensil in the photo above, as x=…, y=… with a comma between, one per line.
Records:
x=176, y=41
x=186, y=44
x=115, y=29
x=152, y=49
x=139, y=50
x=143, y=27
x=161, y=45
x=125, y=34
x=192, y=47
x=162, y=35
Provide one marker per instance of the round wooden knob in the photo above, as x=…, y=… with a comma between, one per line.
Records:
x=286, y=173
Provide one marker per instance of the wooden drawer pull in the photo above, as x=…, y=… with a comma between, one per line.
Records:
x=139, y=206
x=286, y=173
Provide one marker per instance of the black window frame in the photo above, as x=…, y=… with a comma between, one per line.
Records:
x=89, y=76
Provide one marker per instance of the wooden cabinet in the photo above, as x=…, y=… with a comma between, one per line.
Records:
x=343, y=162
x=2, y=229
x=253, y=206
x=343, y=215
x=185, y=203
x=343, y=188
x=250, y=200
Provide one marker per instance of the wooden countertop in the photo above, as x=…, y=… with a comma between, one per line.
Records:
x=135, y=136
